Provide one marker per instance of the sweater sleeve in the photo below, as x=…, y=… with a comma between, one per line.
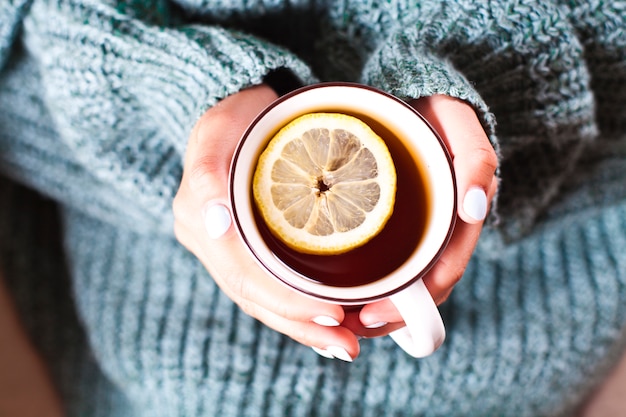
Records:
x=519, y=62
x=602, y=28
x=122, y=94
x=11, y=15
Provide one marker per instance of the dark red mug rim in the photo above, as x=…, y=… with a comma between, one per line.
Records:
x=259, y=259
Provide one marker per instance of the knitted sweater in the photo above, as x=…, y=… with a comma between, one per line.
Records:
x=96, y=102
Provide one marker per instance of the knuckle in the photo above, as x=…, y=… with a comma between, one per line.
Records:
x=180, y=231
x=242, y=293
x=184, y=237
x=248, y=307
x=215, y=145
x=219, y=126
x=238, y=290
x=205, y=172
x=248, y=294
x=284, y=309
x=486, y=157
x=454, y=271
x=301, y=334
x=241, y=287
x=444, y=297
x=457, y=273
x=495, y=184
x=181, y=212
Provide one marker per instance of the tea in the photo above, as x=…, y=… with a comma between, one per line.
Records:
x=390, y=248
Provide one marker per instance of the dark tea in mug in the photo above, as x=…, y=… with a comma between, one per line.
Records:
x=388, y=250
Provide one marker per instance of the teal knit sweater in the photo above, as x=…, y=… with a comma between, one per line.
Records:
x=97, y=98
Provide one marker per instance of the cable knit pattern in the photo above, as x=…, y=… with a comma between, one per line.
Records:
x=97, y=99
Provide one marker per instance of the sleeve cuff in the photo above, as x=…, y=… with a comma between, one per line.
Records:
x=403, y=69
x=533, y=76
x=125, y=97
x=400, y=68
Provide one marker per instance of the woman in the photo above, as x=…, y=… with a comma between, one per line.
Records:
x=98, y=99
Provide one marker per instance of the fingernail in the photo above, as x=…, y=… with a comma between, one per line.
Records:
x=323, y=352
x=339, y=353
x=376, y=325
x=326, y=321
x=475, y=203
x=216, y=220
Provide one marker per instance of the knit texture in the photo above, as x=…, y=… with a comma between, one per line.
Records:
x=97, y=99
x=172, y=344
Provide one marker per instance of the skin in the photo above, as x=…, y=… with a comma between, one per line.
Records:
x=25, y=387
x=207, y=162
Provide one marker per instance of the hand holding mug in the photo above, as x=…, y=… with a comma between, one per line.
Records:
x=203, y=225
x=475, y=163
x=203, y=192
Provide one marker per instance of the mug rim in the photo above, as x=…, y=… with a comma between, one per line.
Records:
x=260, y=259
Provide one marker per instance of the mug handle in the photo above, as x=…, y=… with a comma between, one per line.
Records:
x=424, y=331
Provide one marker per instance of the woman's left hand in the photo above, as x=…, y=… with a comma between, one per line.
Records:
x=475, y=163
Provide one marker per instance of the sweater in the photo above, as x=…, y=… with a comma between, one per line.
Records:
x=97, y=98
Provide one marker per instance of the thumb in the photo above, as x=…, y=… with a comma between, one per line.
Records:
x=474, y=158
x=215, y=137
x=203, y=192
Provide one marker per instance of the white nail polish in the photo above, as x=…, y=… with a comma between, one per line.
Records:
x=216, y=220
x=326, y=321
x=475, y=203
x=376, y=325
x=322, y=352
x=339, y=353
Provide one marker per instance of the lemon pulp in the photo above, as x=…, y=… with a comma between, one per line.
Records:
x=325, y=184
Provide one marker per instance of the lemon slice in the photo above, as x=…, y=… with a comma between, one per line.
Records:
x=325, y=184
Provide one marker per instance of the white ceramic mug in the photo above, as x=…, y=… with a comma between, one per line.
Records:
x=425, y=212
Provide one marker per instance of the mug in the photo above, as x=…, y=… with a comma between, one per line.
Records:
x=392, y=264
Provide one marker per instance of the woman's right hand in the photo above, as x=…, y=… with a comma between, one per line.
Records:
x=203, y=224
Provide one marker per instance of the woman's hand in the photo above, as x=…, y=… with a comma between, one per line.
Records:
x=203, y=225
x=475, y=163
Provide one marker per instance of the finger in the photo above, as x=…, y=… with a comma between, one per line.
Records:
x=235, y=270
x=232, y=267
x=379, y=315
x=209, y=151
x=475, y=163
x=214, y=139
x=474, y=159
x=373, y=320
x=322, y=333
x=440, y=280
x=450, y=267
x=252, y=289
x=331, y=342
